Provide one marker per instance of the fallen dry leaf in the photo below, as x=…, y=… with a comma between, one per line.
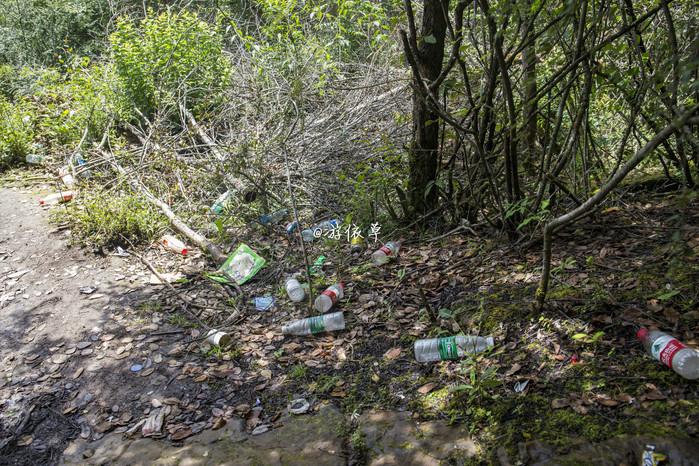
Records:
x=425, y=389
x=393, y=353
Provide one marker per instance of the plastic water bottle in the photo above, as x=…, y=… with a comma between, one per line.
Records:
x=309, y=234
x=274, y=217
x=34, y=158
x=669, y=351
x=82, y=165
x=317, y=324
x=291, y=227
x=220, y=203
x=57, y=198
x=387, y=252
x=446, y=348
x=173, y=244
x=329, y=297
x=66, y=177
x=295, y=290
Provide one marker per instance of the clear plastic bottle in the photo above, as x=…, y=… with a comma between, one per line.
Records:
x=57, y=198
x=291, y=227
x=173, y=244
x=669, y=351
x=316, y=324
x=329, y=297
x=309, y=234
x=34, y=158
x=446, y=348
x=66, y=177
x=387, y=252
x=274, y=217
x=220, y=203
x=295, y=290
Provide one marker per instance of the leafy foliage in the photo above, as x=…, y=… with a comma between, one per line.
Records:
x=169, y=56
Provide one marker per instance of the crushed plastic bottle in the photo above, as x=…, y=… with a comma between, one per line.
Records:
x=652, y=458
x=669, y=351
x=329, y=297
x=57, y=198
x=274, y=217
x=173, y=244
x=447, y=348
x=384, y=254
x=264, y=303
x=317, y=324
x=34, y=158
x=220, y=203
x=310, y=234
x=295, y=290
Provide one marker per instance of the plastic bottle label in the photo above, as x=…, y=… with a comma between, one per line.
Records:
x=664, y=349
x=386, y=250
x=317, y=324
x=330, y=293
x=448, y=349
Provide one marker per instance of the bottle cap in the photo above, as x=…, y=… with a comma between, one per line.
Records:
x=642, y=333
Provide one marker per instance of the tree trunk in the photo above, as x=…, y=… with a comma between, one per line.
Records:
x=429, y=57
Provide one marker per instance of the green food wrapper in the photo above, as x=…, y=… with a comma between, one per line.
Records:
x=240, y=266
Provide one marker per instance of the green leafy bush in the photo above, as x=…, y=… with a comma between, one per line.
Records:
x=16, y=133
x=168, y=56
x=104, y=218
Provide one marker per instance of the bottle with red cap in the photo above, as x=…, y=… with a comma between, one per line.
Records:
x=173, y=244
x=56, y=198
x=329, y=297
x=671, y=352
x=387, y=252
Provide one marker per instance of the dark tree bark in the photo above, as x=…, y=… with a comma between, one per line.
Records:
x=426, y=54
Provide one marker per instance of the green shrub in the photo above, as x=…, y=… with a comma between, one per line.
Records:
x=169, y=56
x=16, y=133
x=103, y=218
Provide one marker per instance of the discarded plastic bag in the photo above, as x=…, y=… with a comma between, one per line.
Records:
x=240, y=266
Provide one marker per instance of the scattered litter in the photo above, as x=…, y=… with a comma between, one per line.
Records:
x=669, y=351
x=87, y=289
x=274, y=217
x=218, y=338
x=220, y=204
x=326, y=300
x=521, y=386
x=446, y=348
x=651, y=458
x=317, y=324
x=317, y=266
x=173, y=244
x=136, y=367
x=120, y=252
x=384, y=254
x=356, y=244
x=295, y=290
x=291, y=227
x=57, y=198
x=299, y=406
x=240, y=266
x=264, y=303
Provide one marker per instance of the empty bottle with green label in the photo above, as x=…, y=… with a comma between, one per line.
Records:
x=220, y=203
x=316, y=324
x=442, y=349
x=671, y=352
